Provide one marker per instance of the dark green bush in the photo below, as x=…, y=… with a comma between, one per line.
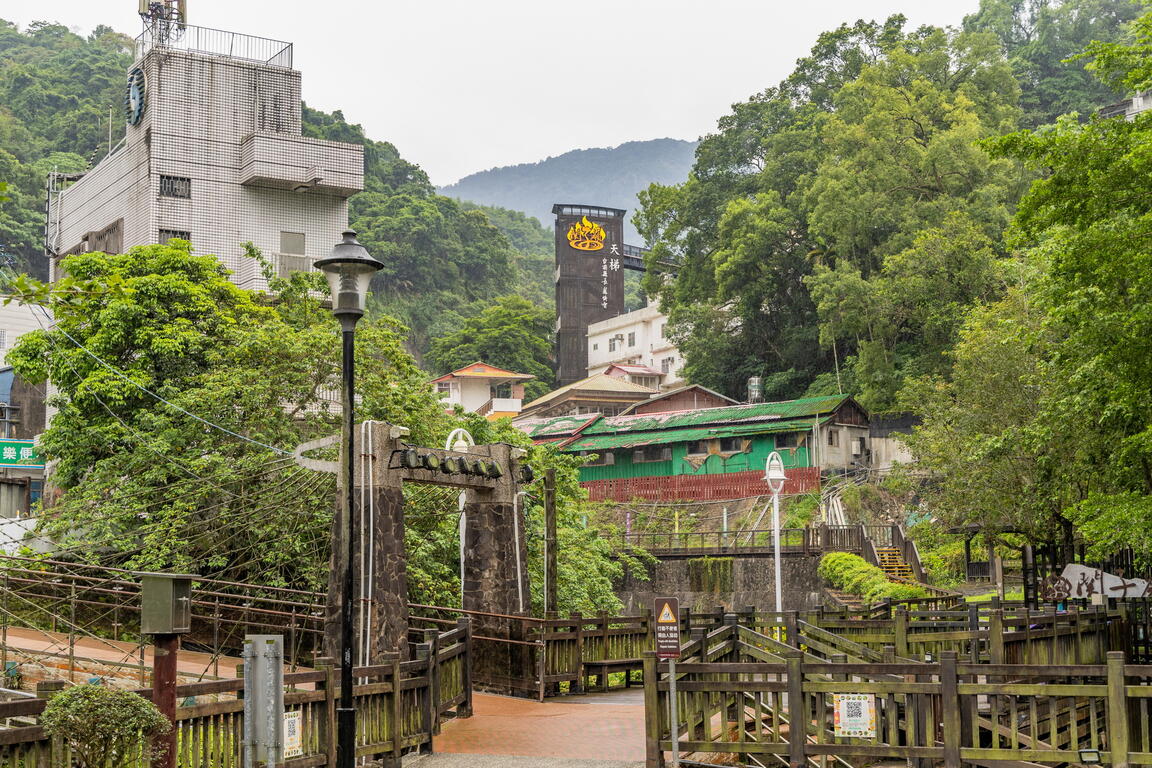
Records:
x=105, y=727
x=853, y=574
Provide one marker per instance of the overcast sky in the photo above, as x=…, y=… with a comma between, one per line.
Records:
x=461, y=86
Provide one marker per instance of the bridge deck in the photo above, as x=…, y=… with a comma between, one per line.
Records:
x=605, y=726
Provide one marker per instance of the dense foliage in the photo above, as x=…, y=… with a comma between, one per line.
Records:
x=854, y=575
x=55, y=92
x=837, y=227
x=513, y=334
x=104, y=727
x=179, y=395
x=1044, y=424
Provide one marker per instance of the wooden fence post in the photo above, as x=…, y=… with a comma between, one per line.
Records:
x=578, y=628
x=996, y=636
x=464, y=709
x=653, y=756
x=900, y=626
x=950, y=709
x=432, y=638
x=427, y=713
x=797, y=717
x=328, y=742
x=397, y=716
x=1117, y=711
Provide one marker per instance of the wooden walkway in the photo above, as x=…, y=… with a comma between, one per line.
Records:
x=604, y=726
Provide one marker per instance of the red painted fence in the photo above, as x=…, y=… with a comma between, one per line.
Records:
x=734, y=485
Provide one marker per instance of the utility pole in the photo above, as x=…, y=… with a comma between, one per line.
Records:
x=550, y=590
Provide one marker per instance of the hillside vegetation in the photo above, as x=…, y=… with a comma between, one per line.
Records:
x=607, y=176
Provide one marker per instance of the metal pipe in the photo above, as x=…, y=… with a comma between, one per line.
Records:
x=516, y=537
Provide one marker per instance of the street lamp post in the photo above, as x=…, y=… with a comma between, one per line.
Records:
x=349, y=270
x=460, y=440
x=775, y=476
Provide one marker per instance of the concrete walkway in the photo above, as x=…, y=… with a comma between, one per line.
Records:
x=604, y=730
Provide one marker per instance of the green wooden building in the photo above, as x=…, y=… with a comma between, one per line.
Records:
x=712, y=452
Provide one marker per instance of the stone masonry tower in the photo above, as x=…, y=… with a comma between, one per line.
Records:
x=213, y=154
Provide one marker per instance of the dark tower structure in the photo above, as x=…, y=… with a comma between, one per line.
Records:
x=589, y=280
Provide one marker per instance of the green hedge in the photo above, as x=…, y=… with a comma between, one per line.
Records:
x=852, y=574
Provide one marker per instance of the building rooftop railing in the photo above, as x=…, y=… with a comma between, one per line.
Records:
x=213, y=42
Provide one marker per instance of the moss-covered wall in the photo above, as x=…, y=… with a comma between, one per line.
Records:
x=731, y=582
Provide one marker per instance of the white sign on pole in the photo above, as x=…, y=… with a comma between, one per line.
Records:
x=854, y=714
x=293, y=734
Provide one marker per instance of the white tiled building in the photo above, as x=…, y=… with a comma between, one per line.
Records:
x=635, y=338
x=214, y=154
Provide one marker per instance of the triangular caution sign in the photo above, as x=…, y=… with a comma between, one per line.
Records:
x=666, y=616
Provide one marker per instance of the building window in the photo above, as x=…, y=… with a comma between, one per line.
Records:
x=632, y=338
x=3, y=338
x=502, y=390
x=666, y=364
x=696, y=447
x=175, y=186
x=731, y=445
x=292, y=242
x=664, y=330
x=444, y=386
x=612, y=344
x=174, y=234
x=602, y=459
x=834, y=438
x=646, y=381
x=595, y=347
x=652, y=453
x=790, y=440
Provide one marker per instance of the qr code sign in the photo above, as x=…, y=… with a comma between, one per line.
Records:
x=854, y=715
x=293, y=734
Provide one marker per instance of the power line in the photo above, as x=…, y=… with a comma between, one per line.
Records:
x=149, y=392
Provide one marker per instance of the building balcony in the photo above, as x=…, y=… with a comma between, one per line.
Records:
x=301, y=164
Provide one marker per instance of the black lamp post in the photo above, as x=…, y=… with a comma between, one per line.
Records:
x=349, y=271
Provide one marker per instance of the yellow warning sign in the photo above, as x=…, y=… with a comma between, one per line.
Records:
x=666, y=615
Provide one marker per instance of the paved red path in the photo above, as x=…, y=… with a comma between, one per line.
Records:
x=596, y=727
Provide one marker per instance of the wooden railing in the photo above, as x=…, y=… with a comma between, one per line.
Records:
x=814, y=540
x=399, y=707
x=746, y=693
x=733, y=485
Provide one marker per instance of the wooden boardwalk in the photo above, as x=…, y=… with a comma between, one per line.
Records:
x=604, y=726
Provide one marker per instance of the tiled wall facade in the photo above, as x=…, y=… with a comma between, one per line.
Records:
x=210, y=119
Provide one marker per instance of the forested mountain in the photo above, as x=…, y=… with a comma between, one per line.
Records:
x=55, y=91
x=610, y=177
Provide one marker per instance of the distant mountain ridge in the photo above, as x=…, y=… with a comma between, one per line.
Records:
x=605, y=176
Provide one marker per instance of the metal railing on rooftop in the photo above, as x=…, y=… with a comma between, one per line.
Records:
x=214, y=42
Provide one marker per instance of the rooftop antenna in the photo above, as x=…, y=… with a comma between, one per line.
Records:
x=165, y=19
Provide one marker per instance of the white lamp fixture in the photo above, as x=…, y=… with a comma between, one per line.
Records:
x=349, y=270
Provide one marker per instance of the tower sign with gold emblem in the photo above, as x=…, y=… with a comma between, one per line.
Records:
x=589, y=280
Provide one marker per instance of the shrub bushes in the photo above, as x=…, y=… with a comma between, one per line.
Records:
x=105, y=727
x=852, y=574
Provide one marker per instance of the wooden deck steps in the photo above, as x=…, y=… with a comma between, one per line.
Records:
x=893, y=564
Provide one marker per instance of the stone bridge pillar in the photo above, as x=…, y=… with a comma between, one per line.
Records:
x=496, y=576
x=380, y=579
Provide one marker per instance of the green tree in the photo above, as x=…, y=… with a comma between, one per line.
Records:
x=149, y=347
x=1042, y=39
x=105, y=727
x=513, y=334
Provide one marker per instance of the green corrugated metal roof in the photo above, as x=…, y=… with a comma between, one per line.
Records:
x=631, y=439
x=728, y=415
x=560, y=425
